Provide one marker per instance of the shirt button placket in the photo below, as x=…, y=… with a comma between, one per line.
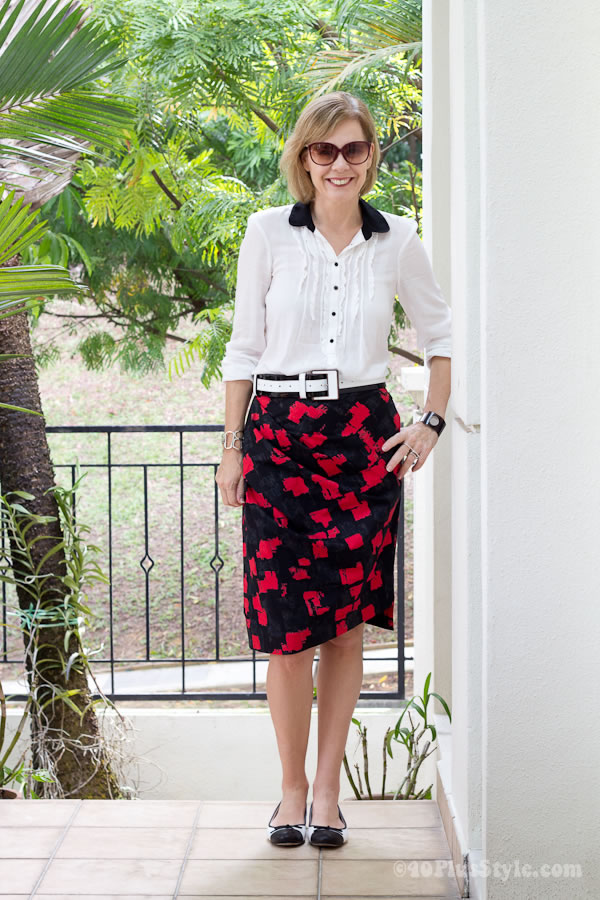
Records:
x=336, y=288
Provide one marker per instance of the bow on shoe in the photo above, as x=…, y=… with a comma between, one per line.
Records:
x=286, y=835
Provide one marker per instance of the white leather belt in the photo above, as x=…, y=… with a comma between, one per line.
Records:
x=303, y=383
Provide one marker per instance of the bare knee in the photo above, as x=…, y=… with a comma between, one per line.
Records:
x=293, y=662
x=349, y=640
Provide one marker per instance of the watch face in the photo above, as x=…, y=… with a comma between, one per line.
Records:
x=435, y=420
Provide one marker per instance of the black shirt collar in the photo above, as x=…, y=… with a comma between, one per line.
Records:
x=372, y=218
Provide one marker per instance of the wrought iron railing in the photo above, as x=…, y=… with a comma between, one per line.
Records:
x=178, y=534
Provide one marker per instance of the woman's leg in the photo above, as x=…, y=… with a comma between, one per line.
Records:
x=290, y=696
x=339, y=680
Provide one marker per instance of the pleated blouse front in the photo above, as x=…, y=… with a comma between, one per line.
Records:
x=299, y=306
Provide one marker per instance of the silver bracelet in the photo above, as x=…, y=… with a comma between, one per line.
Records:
x=238, y=435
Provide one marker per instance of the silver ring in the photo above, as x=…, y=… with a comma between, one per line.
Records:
x=410, y=449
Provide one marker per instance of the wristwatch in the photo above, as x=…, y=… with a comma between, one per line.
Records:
x=434, y=420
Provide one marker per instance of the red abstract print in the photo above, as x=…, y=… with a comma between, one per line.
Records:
x=320, y=518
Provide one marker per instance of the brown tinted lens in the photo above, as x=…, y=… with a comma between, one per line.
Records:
x=356, y=152
x=322, y=153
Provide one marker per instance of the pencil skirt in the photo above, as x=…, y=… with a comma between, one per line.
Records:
x=320, y=517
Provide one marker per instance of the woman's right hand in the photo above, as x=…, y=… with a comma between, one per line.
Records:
x=230, y=479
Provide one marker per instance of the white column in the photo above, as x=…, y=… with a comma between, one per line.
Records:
x=451, y=203
x=465, y=767
x=525, y=236
x=432, y=491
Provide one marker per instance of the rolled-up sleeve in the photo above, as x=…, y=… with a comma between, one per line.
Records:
x=422, y=300
x=248, y=339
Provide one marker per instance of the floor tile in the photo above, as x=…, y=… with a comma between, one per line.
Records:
x=131, y=850
x=236, y=813
x=137, y=813
x=395, y=843
x=248, y=878
x=110, y=876
x=394, y=813
x=28, y=841
x=366, y=878
x=19, y=875
x=38, y=812
x=89, y=841
x=244, y=843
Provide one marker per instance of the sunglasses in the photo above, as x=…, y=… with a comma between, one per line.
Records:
x=323, y=153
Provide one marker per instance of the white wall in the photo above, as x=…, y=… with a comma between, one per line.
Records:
x=231, y=754
x=524, y=238
x=540, y=290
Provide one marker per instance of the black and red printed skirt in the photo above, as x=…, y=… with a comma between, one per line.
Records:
x=320, y=517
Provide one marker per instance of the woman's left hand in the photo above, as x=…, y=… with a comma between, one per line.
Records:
x=419, y=437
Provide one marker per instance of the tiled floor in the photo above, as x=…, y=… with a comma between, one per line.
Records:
x=116, y=850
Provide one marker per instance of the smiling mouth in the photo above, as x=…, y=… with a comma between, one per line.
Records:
x=339, y=182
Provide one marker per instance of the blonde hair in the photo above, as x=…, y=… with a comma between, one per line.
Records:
x=314, y=123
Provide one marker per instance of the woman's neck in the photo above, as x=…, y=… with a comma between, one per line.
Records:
x=335, y=215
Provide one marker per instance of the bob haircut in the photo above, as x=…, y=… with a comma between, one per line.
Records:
x=315, y=122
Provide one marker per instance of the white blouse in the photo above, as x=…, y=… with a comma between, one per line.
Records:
x=300, y=307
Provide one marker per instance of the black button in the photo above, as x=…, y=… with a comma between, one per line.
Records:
x=336, y=264
x=331, y=340
x=333, y=314
x=335, y=287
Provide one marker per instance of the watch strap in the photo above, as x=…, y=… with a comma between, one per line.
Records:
x=433, y=420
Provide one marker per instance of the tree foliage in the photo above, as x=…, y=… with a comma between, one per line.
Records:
x=217, y=86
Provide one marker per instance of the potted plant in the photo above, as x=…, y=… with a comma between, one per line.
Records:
x=417, y=744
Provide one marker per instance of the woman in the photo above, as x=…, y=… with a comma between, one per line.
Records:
x=313, y=443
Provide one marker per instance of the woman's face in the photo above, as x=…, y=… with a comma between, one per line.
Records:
x=340, y=179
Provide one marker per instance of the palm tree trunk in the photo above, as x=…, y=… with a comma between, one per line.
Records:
x=71, y=747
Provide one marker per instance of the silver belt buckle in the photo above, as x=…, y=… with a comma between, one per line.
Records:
x=333, y=384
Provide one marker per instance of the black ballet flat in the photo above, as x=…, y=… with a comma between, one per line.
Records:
x=286, y=835
x=327, y=835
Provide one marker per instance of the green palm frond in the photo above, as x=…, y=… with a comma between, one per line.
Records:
x=85, y=114
x=332, y=67
x=18, y=227
x=19, y=282
x=370, y=34
x=22, y=286
x=380, y=24
x=48, y=62
x=46, y=55
x=18, y=230
x=11, y=308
